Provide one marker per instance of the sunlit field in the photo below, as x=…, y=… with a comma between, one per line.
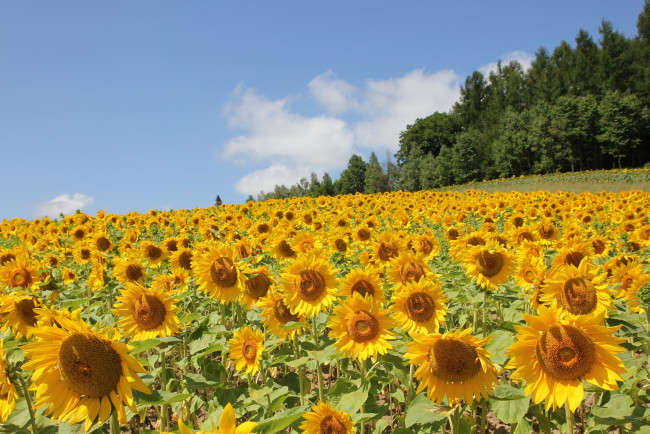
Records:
x=392, y=313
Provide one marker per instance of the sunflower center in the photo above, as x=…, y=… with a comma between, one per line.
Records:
x=363, y=287
x=525, y=235
x=411, y=272
x=263, y=228
x=282, y=312
x=387, y=250
x=454, y=361
x=420, y=306
x=133, y=272
x=362, y=327
x=258, y=285
x=579, y=296
x=340, y=245
x=573, y=258
x=172, y=245
x=475, y=241
x=103, y=243
x=546, y=231
x=489, y=263
x=153, y=252
x=223, y=272
x=185, y=260
x=518, y=221
x=331, y=425
x=25, y=310
x=149, y=312
x=363, y=234
x=529, y=276
x=6, y=258
x=426, y=246
x=20, y=277
x=249, y=350
x=565, y=352
x=453, y=234
x=286, y=250
x=90, y=365
x=599, y=246
x=85, y=253
x=310, y=285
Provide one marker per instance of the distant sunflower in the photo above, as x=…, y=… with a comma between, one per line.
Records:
x=365, y=281
x=19, y=272
x=218, y=275
x=420, y=307
x=323, y=419
x=275, y=314
x=227, y=424
x=182, y=258
x=387, y=246
x=146, y=313
x=631, y=278
x=152, y=253
x=256, y=286
x=96, y=277
x=18, y=314
x=408, y=268
x=309, y=285
x=246, y=349
x=83, y=252
x=572, y=291
x=489, y=265
x=68, y=276
x=530, y=273
x=7, y=389
x=304, y=242
x=553, y=356
x=361, y=328
x=425, y=245
x=129, y=269
x=453, y=364
x=80, y=374
x=574, y=252
x=282, y=250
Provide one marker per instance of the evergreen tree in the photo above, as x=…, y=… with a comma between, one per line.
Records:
x=375, y=177
x=584, y=75
x=622, y=118
x=427, y=172
x=353, y=178
x=466, y=161
x=616, y=59
x=410, y=171
x=327, y=186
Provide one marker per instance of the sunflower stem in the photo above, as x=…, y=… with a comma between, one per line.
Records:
x=115, y=424
x=163, y=386
x=363, y=380
x=484, y=313
x=268, y=395
x=301, y=369
x=409, y=392
x=484, y=413
x=319, y=369
x=28, y=400
x=569, y=418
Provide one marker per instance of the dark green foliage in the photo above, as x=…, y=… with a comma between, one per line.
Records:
x=353, y=178
x=582, y=107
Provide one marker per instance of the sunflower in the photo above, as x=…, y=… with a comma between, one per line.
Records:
x=129, y=269
x=282, y=249
x=308, y=285
x=256, y=286
x=145, y=313
x=83, y=253
x=552, y=356
x=631, y=278
x=576, y=291
x=323, y=419
x=17, y=313
x=96, y=277
x=275, y=314
x=453, y=364
x=153, y=254
x=7, y=389
x=68, y=276
x=425, y=245
x=365, y=281
x=489, y=265
x=102, y=242
x=574, y=252
x=19, y=272
x=227, y=424
x=304, y=242
x=246, y=349
x=387, y=246
x=361, y=328
x=81, y=374
x=530, y=272
x=407, y=268
x=217, y=273
x=547, y=232
x=182, y=258
x=420, y=306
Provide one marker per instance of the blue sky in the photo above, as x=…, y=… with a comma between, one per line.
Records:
x=137, y=105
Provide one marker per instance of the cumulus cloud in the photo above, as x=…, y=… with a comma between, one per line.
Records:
x=64, y=204
x=524, y=58
x=389, y=105
x=266, y=179
x=337, y=96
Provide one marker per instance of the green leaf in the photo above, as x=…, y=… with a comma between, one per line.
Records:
x=198, y=381
x=422, y=411
x=297, y=362
x=325, y=356
x=501, y=340
x=159, y=397
x=510, y=410
x=281, y=420
x=523, y=427
x=352, y=402
x=291, y=325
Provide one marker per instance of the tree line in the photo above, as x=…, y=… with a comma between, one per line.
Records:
x=576, y=108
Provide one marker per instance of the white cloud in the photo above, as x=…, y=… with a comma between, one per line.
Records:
x=337, y=96
x=524, y=58
x=63, y=203
x=390, y=105
x=266, y=179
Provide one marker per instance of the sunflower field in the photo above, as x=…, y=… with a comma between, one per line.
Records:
x=391, y=313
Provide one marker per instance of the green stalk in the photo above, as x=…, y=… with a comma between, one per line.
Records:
x=569, y=418
x=484, y=414
x=163, y=386
x=409, y=391
x=318, y=366
x=28, y=400
x=115, y=424
x=301, y=369
x=268, y=395
x=363, y=380
x=484, y=313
